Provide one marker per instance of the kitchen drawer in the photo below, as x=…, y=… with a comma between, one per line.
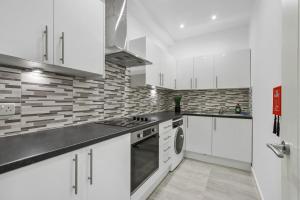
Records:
x=166, y=154
x=166, y=148
x=164, y=138
x=165, y=126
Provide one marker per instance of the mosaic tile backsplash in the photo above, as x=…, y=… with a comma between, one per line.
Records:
x=47, y=100
x=213, y=100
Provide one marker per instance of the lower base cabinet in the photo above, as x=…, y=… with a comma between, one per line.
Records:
x=90, y=173
x=229, y=138
x=232, y=139
x=199, y=134
x=111, y=173
x=47, y=180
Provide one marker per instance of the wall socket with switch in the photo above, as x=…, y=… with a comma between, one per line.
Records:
x=7, y=109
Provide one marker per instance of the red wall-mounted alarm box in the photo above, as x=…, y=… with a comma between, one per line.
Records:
x=277, y=101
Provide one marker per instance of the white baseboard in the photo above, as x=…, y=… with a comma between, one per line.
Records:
x=218, y=161
x=257, y=184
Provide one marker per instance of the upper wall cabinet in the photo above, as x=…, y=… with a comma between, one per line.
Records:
x=27, y=29
x=185, y=74
x=66, y=33
x=232, y=70
x=163, y=69
x=203, y=72
x=169, y=72
x=79, y=35
x=153, y=72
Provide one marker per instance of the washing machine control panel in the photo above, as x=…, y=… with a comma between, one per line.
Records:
x=177, y=123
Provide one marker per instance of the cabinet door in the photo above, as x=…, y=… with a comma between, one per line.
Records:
x=185, y=74
x=233, y=69
x=22, y=29
x=169, y=72
x=199, y=134
x=153, y=72
x=82, y=23
x=110, y=170
x=204, y=72
x=232, y=139
x=48, y=180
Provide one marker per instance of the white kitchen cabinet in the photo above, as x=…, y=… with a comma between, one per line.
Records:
x=153, y=72
x=199, y=134
x=232, y=69
x=232, y=139
x=68, y=176
x=110, y=169
x=169, y=72
x=79, y=34
x=47, y=180
x=204, y=72
x=185, y=74
x=161, y=73
x=23, y=29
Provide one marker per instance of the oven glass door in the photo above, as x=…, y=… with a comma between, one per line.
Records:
x=144, y=160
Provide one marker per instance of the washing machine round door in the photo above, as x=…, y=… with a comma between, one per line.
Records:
x=179, y=140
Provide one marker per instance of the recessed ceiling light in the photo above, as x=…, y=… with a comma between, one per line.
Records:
x=214, y=17
x=181, y=26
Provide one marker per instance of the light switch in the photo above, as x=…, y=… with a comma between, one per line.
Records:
x=7, y=109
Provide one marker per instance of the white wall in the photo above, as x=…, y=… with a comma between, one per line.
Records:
x=140, y=23
x=265, y=42
x=211, y=43
x=137, y=29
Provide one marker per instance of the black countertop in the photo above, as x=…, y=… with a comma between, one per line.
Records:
x=22, y=150
x=225, y=115
x=162, y=116
x=165, y=116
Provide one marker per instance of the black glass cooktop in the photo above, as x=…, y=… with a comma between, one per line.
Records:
x=126, y=122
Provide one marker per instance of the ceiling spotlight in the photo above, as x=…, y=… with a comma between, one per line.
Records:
x=181, y=26
x=214, y=17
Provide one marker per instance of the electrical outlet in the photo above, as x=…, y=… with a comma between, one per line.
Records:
x=7, y=109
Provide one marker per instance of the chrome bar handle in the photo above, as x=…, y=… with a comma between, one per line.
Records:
x=167, y=138
x=46, y=43
x=175, y=83
x=196, y=83
x=165, y=150
x=167, y=160
x=191, y=83
x=159, y=78
x=62, y=59
x=75, y=186
x=187, y=122
x=217, y=82
x=90, y=178
x=215, y=124
x=163, y=79
x=280, y=149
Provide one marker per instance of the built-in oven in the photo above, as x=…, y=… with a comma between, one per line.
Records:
x=144, y=155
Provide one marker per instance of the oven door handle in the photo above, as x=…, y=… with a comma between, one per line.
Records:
x=145, y=139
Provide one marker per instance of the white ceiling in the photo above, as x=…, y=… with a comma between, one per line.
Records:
x=196, y=15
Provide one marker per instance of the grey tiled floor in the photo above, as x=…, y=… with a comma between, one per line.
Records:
x=194, y=180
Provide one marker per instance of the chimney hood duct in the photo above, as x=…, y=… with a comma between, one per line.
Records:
x=116, y=35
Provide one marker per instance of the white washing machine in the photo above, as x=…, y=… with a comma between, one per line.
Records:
x=177, y=147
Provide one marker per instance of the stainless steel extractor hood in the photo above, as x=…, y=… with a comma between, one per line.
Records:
x=116, y=35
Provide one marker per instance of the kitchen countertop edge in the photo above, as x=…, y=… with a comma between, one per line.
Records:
x=23, y=162
x=157, y=118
